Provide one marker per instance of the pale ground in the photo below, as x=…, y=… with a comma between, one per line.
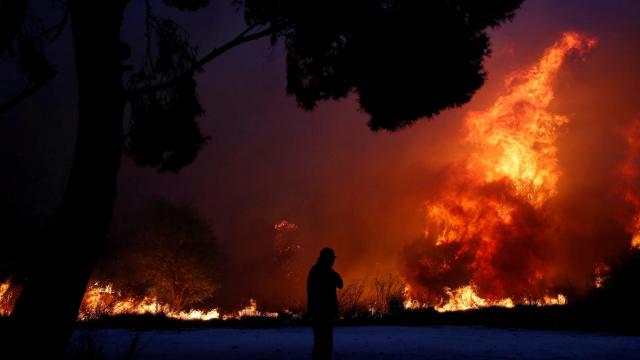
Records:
x=368, y=342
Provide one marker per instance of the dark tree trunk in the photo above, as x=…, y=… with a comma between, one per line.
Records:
x=48, y=307
x=11, y=18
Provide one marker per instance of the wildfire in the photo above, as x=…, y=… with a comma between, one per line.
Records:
x=409, y=302
x=494, y=202
x=287, y=248
x=100, y=300
x=250, y=311
x=630, y=174
x=5, y=309
x=8, y=296
x=466, y=297
x=601, y=274
x=498, y=197
x=516, y=135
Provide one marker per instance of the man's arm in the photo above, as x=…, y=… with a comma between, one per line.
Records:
x=339, y=283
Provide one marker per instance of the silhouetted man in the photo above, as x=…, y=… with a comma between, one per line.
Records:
x=322, y=302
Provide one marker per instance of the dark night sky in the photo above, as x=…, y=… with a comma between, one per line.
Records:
x=268, y=160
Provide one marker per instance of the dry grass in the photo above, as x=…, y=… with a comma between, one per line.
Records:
x=351, y=299
x=377, y=296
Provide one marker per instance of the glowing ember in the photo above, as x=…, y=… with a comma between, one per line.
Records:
x=601, y=274
x=285, y=225
x=494, y=204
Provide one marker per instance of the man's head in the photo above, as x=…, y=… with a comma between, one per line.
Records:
x=327, y=257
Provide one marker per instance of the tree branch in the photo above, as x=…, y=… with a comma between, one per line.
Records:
x=52, y=33
x=30, y=89
x=242, y=38
x=148, y=18
x=12, y=15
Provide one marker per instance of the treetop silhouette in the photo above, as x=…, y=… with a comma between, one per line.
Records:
x=403, y=59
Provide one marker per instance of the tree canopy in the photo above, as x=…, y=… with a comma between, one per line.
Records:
x=403, y=59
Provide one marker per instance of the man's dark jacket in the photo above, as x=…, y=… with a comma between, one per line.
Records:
x=321, y=291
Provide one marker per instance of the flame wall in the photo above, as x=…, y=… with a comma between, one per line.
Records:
x=521, y=193
x=491, y=221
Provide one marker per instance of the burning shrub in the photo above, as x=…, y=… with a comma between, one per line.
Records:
x=487, y=236
x=286, y=249
x=169, y=253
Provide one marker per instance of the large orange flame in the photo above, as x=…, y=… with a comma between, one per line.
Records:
x=498, y=196
x=516, y=136
x=630, y=175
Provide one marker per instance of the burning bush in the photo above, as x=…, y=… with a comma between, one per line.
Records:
x=168, y=253
x=488, y=227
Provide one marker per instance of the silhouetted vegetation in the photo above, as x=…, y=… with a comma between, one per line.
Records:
x=389, y=291
x=167, y=252
x=403, y=59
x=375, y=297
x=352, y=299
x=614, y=305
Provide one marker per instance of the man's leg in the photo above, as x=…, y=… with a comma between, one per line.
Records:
x=316, y=340
x=322, y=339
x=329, y=347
